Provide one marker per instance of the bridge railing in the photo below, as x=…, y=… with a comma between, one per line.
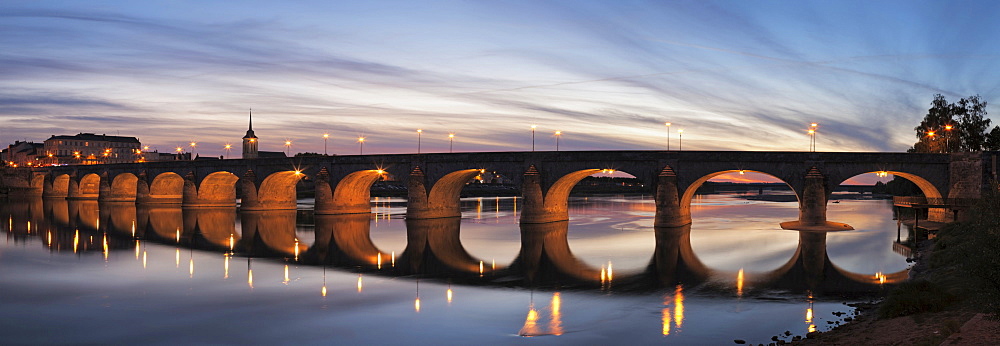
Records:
x=924, y=202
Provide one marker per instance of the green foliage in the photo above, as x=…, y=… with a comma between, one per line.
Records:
x=915, y=297
x=964, y=266
x=969, y=127
x=993, y=139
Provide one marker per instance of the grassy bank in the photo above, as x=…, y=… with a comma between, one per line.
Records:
x=958, y=277
x=963, y=268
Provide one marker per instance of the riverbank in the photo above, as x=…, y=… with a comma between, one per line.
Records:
x=952, y=298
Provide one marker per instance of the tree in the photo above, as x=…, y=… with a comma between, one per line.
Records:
x=993, y=139
x=954, y=127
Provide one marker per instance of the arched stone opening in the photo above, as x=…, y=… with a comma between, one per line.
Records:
x=931, y=194
x=59, y=187
x=691, y=190
x=557, y=197
x=352, y=194
x=929, y=190
x=552, y=204
x=216, y=190
x=123, y=188
x=443, y=199
x=90, y=187
x=276, y=192
x=166, y=188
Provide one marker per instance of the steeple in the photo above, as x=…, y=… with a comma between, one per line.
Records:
x=250, y=141
x=250, y=128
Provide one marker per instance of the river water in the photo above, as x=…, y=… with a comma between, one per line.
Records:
x=82, y=272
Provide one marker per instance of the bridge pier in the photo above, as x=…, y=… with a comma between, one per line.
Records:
x=539, y=205
x=55, y=187
x=812, y=207
x=142, y=190
x=668, y=201
x=443, y=198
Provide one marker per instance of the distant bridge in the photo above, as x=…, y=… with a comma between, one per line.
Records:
x=434, y=182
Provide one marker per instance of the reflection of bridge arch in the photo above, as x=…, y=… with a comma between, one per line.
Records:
x=345, y=239
x=545, y=256
x=433, y=247
x=271, y=233
x=84, y=214
x=117, y=217
x=214, y=226
x=164, y=222
x=810, y=269
x=166, y=188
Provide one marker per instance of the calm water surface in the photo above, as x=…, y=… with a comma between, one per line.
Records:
x=83, y=272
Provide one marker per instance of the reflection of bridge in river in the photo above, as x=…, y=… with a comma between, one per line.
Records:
x=433, y=248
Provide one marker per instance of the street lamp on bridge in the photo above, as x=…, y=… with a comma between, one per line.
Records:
x=947, y=136
x=533, y=127
x=193, y=151
x=419, y=132
x=668, y=134
x=680, y=139
x=812, y=136
x=451, y=142
x=361, y=142
x=558, y=134
x=326, y=136
x=288, y=146
x=228, y=147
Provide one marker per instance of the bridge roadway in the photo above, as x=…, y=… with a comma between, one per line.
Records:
x=434, y=181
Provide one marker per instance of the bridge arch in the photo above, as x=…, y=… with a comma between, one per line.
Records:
x=59, y=187
x=277, y=191
x=552, y=204
x=928, y=188
x=443, y=198
x=692, y=189
x=166, y=188
x=123, y=188
x=89, y=187
x=352, y=195
x=217, y=189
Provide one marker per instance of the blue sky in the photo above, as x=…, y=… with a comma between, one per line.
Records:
x=735, y=75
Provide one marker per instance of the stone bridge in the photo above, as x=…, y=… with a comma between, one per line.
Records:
x=342, y=184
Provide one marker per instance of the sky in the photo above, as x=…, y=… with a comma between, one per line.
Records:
x=734, y=75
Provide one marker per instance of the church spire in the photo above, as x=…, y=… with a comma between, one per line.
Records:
x=250, y=133
x=250, y=141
